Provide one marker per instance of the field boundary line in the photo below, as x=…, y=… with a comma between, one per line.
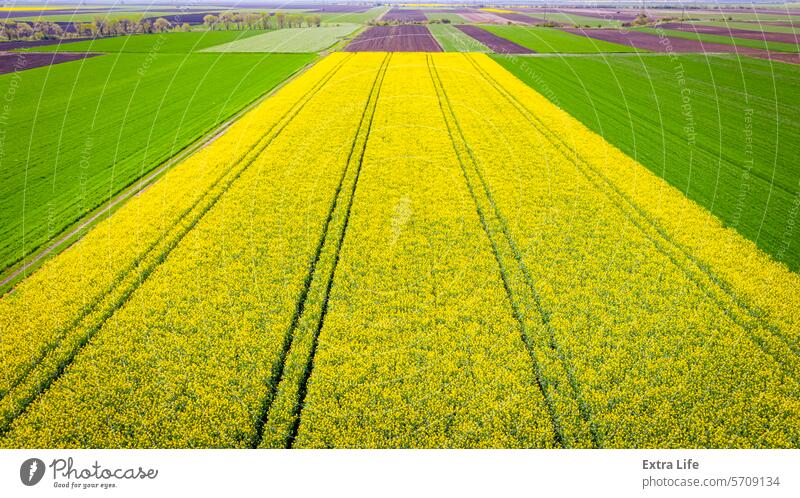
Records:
x=64, y=349
x=284, y=404
x=516, y=285
x=21, y=269
x=701, y=276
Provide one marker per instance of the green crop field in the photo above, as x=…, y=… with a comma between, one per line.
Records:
x=353, y=17
x=295, y=40
x=751, y=26
x=727, y=40
x=732, y=150
x=567, y=18
x=85, y=130
x=549, y=40
x=453, y=39
x=164, y=43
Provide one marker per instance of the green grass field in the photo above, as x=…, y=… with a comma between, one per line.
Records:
x=82, y=131
x=728, y=139
x=453, y=39
x=295, y=40
x=440, y=16
x=165, y=43
x=549, y=40
x=567, y=18
x=353, y=17
x=727, y=40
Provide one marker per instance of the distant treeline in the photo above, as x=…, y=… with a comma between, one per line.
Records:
x=101, y=26
x=262, y=20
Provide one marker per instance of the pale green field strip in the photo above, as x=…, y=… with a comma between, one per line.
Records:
x=289, y=40
x=453, y=39
x=352, y=17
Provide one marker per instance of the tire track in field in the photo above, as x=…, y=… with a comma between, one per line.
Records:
x=570, y=415
x=57, y=356
x=280, y=417
x=767, y=336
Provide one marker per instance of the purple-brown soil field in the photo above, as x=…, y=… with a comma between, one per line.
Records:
x=405, y=15
x=14, y=45
x=33, y=13
x=736, y=33
x=401, y=38
x=495, y=43
x=485, y=17
x=451, y=11
x=11, y=63
x=656, y=43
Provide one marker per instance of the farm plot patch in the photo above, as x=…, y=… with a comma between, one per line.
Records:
x=550, y=40
x=758, y=27
x=164, y=43
x=458, y=263
x=15, y=45
x=83, y=131
x=606, y=14
x=11, y=63
x=663, y=43
x=789, y=38
x=450, y=17
x=515, y=18
x=478, y=16
x=290, y=40
x=559, y=16
x=340, y=8
x=352, y=17
x=453, y=39
x=733, y=156
x=739, y=43
x=401, y=38
x=89, y=16
x=495, y=43
x=404, y=15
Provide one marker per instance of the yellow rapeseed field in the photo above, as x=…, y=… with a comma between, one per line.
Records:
x=405, y=250
x=498, y=11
